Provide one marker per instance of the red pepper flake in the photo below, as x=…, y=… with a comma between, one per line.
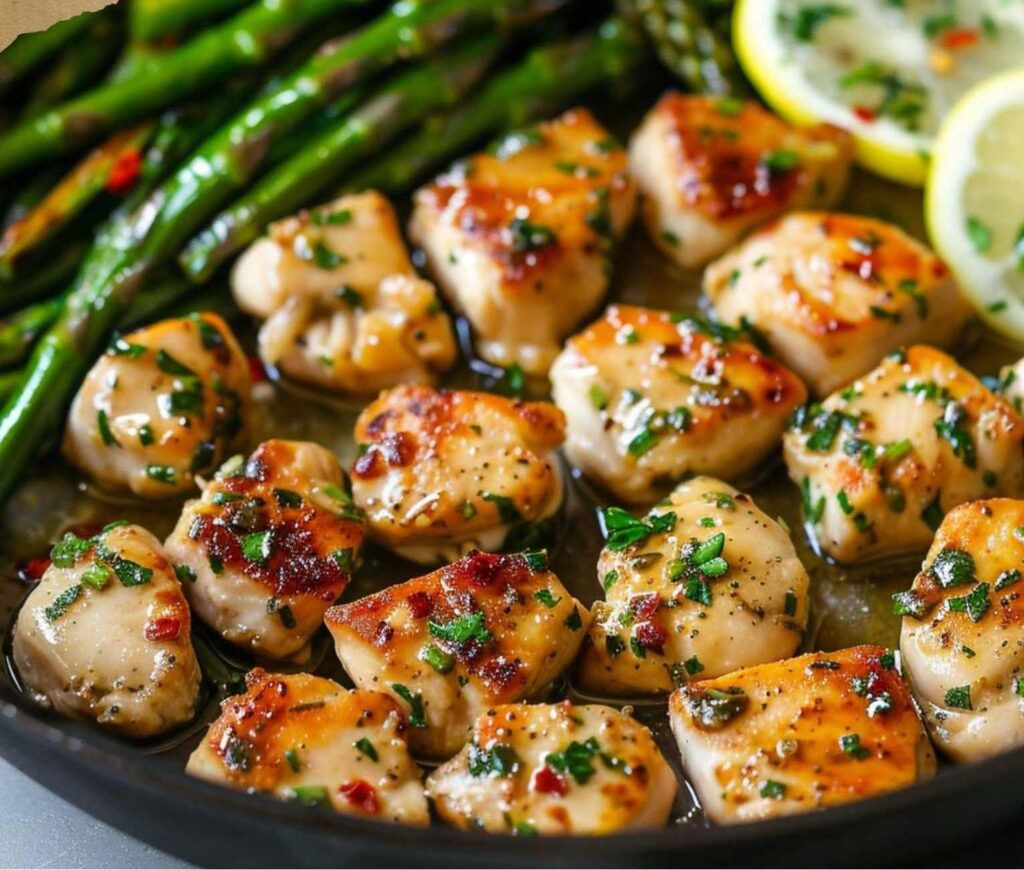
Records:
x=361, y=794
x=959, y=37
x=421, y=604
x=257, y=373
x=32, y=570
x=163, y=628
x=652, y=636
x=865, y=113
x=644, y=606
x=546, y=781
x=125, y=172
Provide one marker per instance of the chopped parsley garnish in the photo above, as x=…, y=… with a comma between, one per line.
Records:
x=168, y=364
x=909, y=603
x=162, y=474
x=97, y=575
x=791, y=603
x=331, y=218
x=103, y=425
x=292, y=757
x=462, y=629
x=813, y=510
x=778, y=162
x=975, y=604
x=438, y=659
x=146, y=436
x=184, y=572
x=537, y=562
x=59, y=606
x=325, y=258
x=851, y=745
x=415, y=702
x=364, y=745
x=500, y=760
x=69, y=549
x=576, y=759
x=507, y=510
x=257, y=547
x=959, y=697
x=528, y=237
x=979, y=234
x=622, y=530
x=614, y=645
x=693, y=665
x=773, y=790
x=287, y=497
x=344, y=559
x=598, y=397
x=350, y=296
x=545, y=597
x=953, y=567
x=1007, y=578
x=120, y=347
x=715, y=708
x=309, y=795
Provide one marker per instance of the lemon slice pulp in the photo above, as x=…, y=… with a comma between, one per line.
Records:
x=886, y=70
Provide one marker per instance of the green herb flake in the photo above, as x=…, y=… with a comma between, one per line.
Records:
x=959, y=697
x=415, y=702
x=462, y=629
x=851, y=745
x=257, y=547
x=60, y=605
x=367, y=748
x=441, y=661
x=773, y=790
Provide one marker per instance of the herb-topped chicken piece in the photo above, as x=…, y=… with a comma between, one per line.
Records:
x=520, y=238
x=443, y=472
x=963, y=631
x=710, y=169
x=163, y=404
x=553, y=769
x=882, y=461
x=651, y=396
x=486, y=630
x=269, y=546
x=803, y=734
x=342, y=304
x=704, y=584
x=106, y=635
x=306, y=739
x=834, y=293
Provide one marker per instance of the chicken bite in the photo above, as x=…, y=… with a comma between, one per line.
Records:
x=711, y=168
x=651, y=396
x=343, y=308
x=443, y=472
x=834, y=293
x=882, y=461
x=163, y=404
x=963, y=634
x=706, y=583
x=520, y=237
x=485, y=630
x=306, y=739
x=106, y=635
x=803, y=734
x=269, y=546
x=555, y=769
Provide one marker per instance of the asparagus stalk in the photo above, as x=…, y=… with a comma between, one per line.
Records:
x=128, y=248
x=56, y=273
x=400, y=103
x=243, y=42
x=688, y=45
x=79, y=66
x=31, y=50
x=98, y=172
x=152, y=19
x=549, y=77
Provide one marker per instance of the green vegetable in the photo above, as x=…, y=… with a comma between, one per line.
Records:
x=364, y=745
x=462, y=629
x=417, y=719
x=713, y=709
x=31, y=50
x=59, y=606
x=622, y=530
x=499, y=760
x=576, y=759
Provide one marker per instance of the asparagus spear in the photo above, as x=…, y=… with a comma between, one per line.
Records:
x=152, y=19
x=399, y=104
x=103, y=169
x=688, y=45
x=548, y=78
x=127, y=249
x=55, y=273
x=79, y=66
x=31, y=50
x=242, y=42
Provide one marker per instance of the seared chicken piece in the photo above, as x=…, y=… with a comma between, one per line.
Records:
x=445, y=472
x=269, y=546
x=555, y=769
x=799, y=735
x=306, y=739
x=834, y=293
x=963, y=633
x=520, y=237
x=343, y=306
x=711, y=168
x=106, y=635
x=163, y=404
x=652, y=396
x=485, y=630
x=706, y=583
x=881, y=462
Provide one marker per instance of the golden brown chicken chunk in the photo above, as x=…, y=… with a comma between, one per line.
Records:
x=163, y=404
x=553, y=769
x=834, y=293
x=269, y=546
x=443, y=472
x=485, y=630
x=520, y=237
x=710, y=169
x=963, y=631
x=807, y=733
x=651, y=396
x=343, y=308
x=106, y=635
x=882, y=461
x=706, y=583
x=306, y=739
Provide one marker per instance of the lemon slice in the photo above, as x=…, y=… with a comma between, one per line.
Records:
x=974, y=202
x=886, y=70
